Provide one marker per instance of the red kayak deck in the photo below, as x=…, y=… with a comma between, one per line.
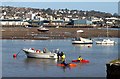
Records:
x=82, y=61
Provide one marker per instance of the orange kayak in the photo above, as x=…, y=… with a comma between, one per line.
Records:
x=69, y=65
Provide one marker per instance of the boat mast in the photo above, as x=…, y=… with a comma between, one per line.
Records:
x=107, y=30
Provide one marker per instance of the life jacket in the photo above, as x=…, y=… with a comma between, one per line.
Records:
x=63, y=56
x=80, y=59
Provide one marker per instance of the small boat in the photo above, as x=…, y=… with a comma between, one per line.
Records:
x=32, y=53
x=105, y=41
x=81, y=40
x=82, y=61
x=42, y=29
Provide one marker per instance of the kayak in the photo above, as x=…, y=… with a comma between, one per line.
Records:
x=82, y=61
x=69, y=65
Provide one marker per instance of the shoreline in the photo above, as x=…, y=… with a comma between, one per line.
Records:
x=54, y=33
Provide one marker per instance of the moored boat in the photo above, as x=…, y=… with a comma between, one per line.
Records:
x=105, y=41
x=81, y=40
x=42, y=29
x=32, y=53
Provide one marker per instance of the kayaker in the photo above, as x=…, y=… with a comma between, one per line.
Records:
x=80, y=58
x=62, y=55
x=63, y=62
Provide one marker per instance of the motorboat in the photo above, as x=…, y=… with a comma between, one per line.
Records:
x=105, y=41
x=81, y=40
x=42, y=29
x=32, y=53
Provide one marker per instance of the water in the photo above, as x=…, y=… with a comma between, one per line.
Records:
x=105, y=28
x=22, y=66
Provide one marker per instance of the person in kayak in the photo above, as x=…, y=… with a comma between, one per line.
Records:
x=80, y=58
x=62, y=55
x=63, y=62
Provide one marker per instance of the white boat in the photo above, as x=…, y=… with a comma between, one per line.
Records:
x=32, y=53
x=105, y=41
x=42, y=29
x=81, y=40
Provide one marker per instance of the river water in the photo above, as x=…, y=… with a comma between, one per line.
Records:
x=98, y=55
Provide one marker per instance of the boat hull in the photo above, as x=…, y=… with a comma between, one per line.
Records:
x=42, y=30
x=105, y=41
x=81, y=42
x=99, y=42
x=33, y=54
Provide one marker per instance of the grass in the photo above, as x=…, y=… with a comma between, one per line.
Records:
x=114, y=61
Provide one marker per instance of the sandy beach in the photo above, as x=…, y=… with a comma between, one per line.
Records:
x=54, y=33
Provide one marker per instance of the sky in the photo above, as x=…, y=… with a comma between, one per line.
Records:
x=60, y=0
x=108, y=7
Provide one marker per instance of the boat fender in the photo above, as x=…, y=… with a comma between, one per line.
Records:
x=32, y=48
x=37, y=51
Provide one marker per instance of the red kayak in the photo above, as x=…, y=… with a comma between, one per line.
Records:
x=69, y=65
x=82, y=61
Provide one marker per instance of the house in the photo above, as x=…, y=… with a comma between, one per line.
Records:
x=17, y=22
x=78, y=22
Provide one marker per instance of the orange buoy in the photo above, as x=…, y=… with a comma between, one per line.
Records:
x=14, y=55
x=32, y=48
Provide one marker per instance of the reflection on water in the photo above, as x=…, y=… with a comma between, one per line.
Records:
x=43, y=64
x=39, y=61
x=105, y=44
x=83, y=45
x=65, y=68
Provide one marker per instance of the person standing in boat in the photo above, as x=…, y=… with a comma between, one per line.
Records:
x=58, y=53
x=44, y=50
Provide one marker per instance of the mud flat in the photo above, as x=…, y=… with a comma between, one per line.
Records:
x=54, y=33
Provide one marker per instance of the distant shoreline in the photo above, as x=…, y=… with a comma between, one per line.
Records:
x=54, y=33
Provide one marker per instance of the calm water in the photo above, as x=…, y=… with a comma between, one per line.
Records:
x=22, y=66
